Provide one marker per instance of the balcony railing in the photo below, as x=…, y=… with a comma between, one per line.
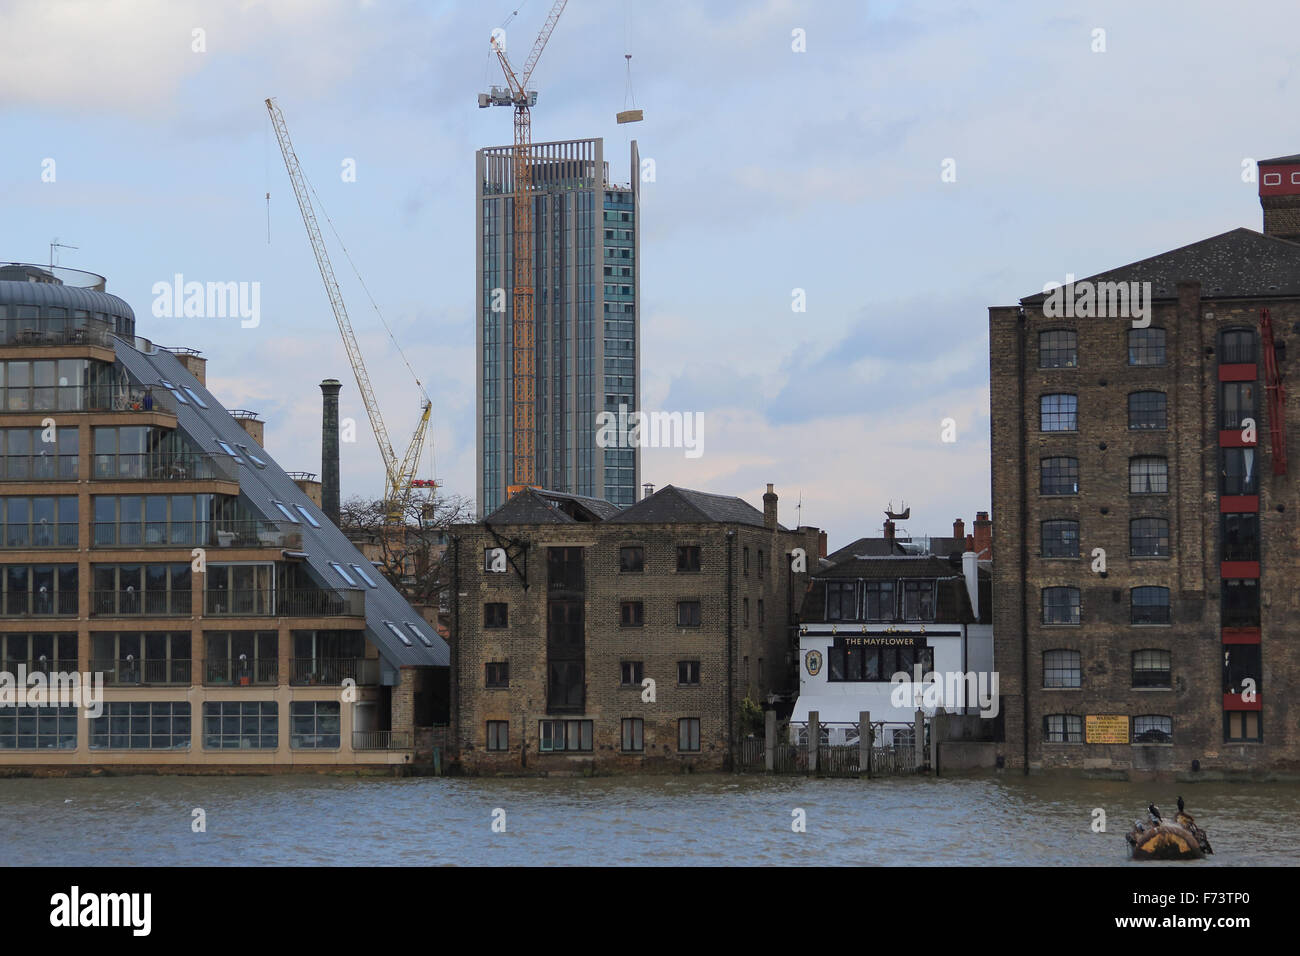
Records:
x=41, y=665
x=156, y=466
x=211, y=534
x=242, y=673
x=124, y=673
x=285, y=602
x=42, y=534
x=161, y=603
x=36, y=604
x=332, y=671
x=382, y=740
x=83, y=398
x=39, y=467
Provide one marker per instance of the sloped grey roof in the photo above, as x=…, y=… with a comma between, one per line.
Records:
x=1236, y=264
x=528, y=507
x=1281, y=160
x=874, y=547
x=263, y=485
x=673, y=504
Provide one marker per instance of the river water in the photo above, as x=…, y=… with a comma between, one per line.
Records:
x=703, y=819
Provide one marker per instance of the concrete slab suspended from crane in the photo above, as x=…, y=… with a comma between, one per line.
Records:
x=630, y=116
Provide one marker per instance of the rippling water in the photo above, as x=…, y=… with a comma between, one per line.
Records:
x=676, y=820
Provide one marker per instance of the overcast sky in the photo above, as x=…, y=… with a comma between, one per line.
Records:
x=774, y=170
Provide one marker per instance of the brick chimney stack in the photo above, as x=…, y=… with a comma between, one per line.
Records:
x=983, y=536
x=1279, y=195
x=959, y=529
x=889, y=535
x=769, y=508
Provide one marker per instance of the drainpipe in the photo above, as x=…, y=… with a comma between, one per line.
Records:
x=731, y=654
x=454, y=647
x=1022, y=351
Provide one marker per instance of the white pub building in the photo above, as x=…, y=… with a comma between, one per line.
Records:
x=867, y=619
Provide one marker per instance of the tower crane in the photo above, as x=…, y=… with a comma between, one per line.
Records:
x=399, y=475
x=517, y=94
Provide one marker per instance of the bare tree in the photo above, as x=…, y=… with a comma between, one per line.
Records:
x=409, y=554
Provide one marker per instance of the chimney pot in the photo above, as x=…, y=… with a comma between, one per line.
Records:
x=959, y=529
x=769, y=508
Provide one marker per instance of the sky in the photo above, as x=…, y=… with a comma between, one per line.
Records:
x=905, y=165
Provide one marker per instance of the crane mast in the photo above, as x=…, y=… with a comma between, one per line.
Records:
x=523, y=326
x=398, y=475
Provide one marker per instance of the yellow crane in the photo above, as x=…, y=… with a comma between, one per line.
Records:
x=516, y=94
x=399, y=475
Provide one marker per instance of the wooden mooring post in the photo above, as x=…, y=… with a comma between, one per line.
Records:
x=918, y=738
x=864, y=743
x=769, y=739
x=814, y=739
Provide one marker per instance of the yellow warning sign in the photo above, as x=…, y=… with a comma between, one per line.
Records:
x=1106, y=728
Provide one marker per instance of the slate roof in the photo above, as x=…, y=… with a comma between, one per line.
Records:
x=873, y=547
x=259, y=486
x=953, y=605
x=1281, y=160
x=1237, y=264
x=671, y=504
x=539, y=506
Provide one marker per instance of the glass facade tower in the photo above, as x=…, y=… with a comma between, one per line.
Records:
x=586, y=246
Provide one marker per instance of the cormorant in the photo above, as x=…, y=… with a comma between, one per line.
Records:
x=1155, y=813
x=1180, y=804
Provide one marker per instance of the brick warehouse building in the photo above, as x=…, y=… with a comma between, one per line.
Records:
x=553, y=635
x=149, y=538
x=1107, y=435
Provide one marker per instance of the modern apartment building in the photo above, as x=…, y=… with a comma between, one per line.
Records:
x=1146, y=613
x=586, y=252
x=147, y=539
x=565, y=607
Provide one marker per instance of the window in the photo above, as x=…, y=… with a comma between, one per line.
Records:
x=1062, y=669
x=1153, y=729
x=1148, y=475
x=314, y=724
x=241, y=725
x=142, y=725
x=744, y=616
x=688, y=734
x=560, y=735
x=1236, y=403
x=398, y=633
x=175, y=393
x=841, y=601
x=347, y=578
x=1237, y=347
x=631, y=558
x=688, y=672
x=1147, y=410
x=361, y=573
x=880, y=600
x=631, y=673
x=1146, y=346
x=1060, y=539
x=1151, y=669
x=1148, y=538
x=498, y=735
x=1241, y=537
x=847, y=662
x=420, y=635
x=310, y=519
x=251, y=457
x=1240, y=605
x=1242, y=668
x=760, y=610
x=1058, y=476
x=1060, y=605
x=52, y=589
x=688, y=613
x=918, y=600
x=1242, y=725
x=633, y=734
x=745, y=563
x=1239, y=475
x=226, y=448
x=631, y=614
x=762, y=563
x=288, y=515
x=688, y=557
x=1149, y=605
x=1059, y=413
x=498, y=674
x=496, y=614
x=38, y=728
x=1062, y=729
x=1058, y=348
